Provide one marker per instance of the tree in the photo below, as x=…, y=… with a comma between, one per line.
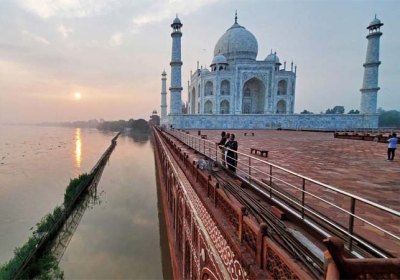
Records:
x=389, y=118
x=353, y=112
x=140, y=125
x=336, y=110
x=305, y=112
x=130, y=123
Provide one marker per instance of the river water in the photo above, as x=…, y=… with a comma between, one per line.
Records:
x=121, y=236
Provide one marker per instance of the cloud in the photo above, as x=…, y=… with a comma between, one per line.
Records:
x=162, y=9
x=64, y=31
x=67, y=8
x=36, y=37
x=116, y=39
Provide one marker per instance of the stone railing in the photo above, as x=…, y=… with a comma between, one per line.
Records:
x=248, y=240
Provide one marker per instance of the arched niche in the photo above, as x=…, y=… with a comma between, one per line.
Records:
x=225, y=87
x=208, y=107
x=208, y=89
x=224, y=107
x=193, y=101
x=282, y=87
x=281, y=107
x=253, y=97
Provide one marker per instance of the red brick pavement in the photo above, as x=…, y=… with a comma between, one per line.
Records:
x=355, y=166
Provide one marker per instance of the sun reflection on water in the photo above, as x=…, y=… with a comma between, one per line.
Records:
x=78, y=148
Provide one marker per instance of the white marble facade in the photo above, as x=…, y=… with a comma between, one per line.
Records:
x=238, y=91
x=286, y=121
x=237, y=83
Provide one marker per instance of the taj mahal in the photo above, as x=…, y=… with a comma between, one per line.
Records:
x=241, y=92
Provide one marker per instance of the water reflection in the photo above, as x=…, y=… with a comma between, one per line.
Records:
x=139, y=137
x=78, y=148
x=61, y=241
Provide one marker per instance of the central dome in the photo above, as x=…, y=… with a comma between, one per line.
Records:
x=237, y=43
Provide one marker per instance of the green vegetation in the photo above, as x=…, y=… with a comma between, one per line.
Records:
x=335, y=110
x=353, y=112
x=139, y=125
x=306, y=112
x=112, y=125
x=73, y=188
x=46, y=267
x=90, y=123
x=389, y=118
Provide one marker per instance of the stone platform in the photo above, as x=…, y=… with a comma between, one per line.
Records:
x=355, y=166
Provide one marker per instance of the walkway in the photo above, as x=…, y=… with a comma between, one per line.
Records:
x=355, y=166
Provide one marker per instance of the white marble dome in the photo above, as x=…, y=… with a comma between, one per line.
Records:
x=177, y=21
x=237, y=40
x=376, y=21
x=219, y=59
x=272, y=58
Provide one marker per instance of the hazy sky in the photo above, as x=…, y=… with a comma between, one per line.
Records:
x=113, y=52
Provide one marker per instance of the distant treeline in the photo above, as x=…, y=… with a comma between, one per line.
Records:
x=139, y=125
x=389, y=118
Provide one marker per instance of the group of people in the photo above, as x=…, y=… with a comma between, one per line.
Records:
x=228, y=147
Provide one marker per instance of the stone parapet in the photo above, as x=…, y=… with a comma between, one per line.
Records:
x=275, y=121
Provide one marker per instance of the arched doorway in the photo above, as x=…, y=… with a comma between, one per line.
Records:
x=225, y=87
x=208, y=89
x=208, y=107
x=193, y=101
x=224, y=107
x=281, y=107
x=253, y=97
x=282, y=87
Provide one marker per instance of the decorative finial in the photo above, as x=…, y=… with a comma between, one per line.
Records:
x=375, y=16
x=235, y=16
x=271, y=51
x=176, y=14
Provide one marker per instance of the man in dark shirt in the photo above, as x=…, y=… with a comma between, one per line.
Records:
x=222, y=143
x=231, y=156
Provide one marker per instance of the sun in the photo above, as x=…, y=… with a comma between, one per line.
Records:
x=77, y=95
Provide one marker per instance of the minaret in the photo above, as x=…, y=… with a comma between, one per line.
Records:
x=163, y=95
x=176, y=64
x=369, y=91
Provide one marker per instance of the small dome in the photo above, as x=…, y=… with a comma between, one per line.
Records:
x=163, y=73
x=177, y=21
x=239, y=42
x=219, y=59
x=376, y=21
x=205, y=71
x=272, y=58
x=154, y=112
x=375, y=24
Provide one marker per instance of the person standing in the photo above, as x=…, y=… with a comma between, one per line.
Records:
x=231, y=156
x=221, y=145
x=227, y=136
x=392, y=146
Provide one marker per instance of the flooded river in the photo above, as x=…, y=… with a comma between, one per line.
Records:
x=120, y=236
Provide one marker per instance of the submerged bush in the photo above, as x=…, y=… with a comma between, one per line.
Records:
x=20, y=254
x=45, y=267
x=73, y=187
